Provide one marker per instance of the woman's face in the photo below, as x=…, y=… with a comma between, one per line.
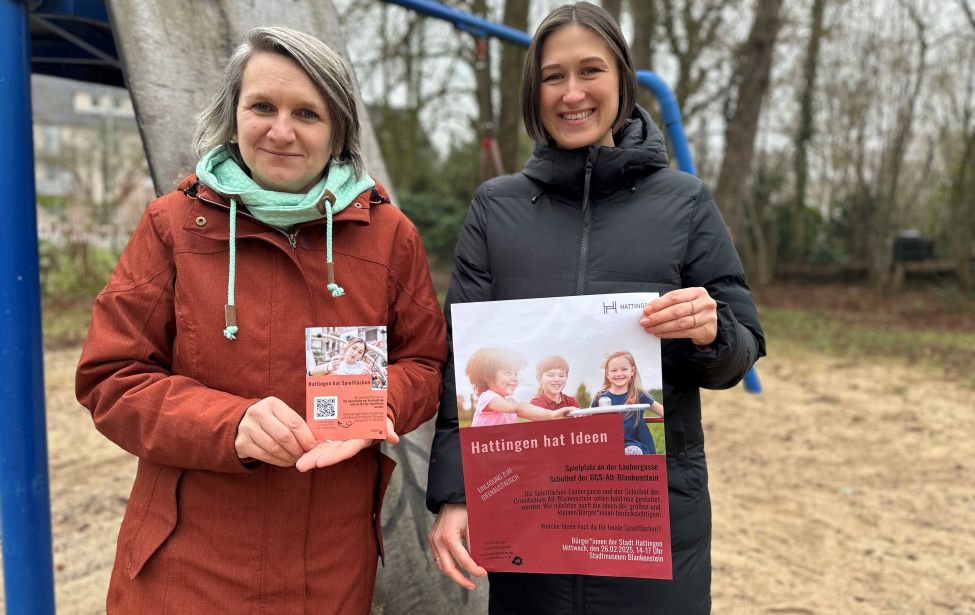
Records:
x=619, y=372
x=580, y=92
x=284, y=129
x=354, y=352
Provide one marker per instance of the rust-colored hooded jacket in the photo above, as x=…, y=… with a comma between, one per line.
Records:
x=202, y=533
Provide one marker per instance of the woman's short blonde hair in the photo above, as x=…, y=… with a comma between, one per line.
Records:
x=602, y=23
x=327, y=70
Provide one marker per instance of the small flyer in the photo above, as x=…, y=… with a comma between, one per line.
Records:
x=560, y=404
x=345, y=382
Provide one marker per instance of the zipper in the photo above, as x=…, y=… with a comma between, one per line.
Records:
x=291, y=237
x=578, y=595
x=586, y=224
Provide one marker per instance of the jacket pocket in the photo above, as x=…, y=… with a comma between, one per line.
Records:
x=687, y=472
x=386, y=467
x=153, y=508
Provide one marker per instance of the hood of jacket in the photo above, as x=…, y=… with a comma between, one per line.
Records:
x=640, y=150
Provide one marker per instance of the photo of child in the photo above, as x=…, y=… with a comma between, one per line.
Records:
x=348, y=363
x=493, y=373
x=583, y=352
x=347, y=351
x=552, y=373
x=621, y=386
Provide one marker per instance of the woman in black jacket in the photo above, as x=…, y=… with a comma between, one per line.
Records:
x=598, y=210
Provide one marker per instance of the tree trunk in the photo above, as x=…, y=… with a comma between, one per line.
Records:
x=644, y=30
x=512, y=62
x=613, y=7
x=961, y=213
x=799, y=243
x=962, y=231
x=884, y=218
x=755, y=68
x=485, y=108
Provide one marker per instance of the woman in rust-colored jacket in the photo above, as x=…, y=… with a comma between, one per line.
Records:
x=195, y=358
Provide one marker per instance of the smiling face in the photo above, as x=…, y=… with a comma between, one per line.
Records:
x=284, y=129
x=580, y=92
x=552, y=383
x=619, y=372
x=505, y=382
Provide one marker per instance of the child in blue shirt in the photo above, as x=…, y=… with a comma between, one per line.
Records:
x=621, y=385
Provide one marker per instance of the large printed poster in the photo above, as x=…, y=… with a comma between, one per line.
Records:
x=560, y=404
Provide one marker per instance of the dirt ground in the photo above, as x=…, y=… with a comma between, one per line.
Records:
x=845, y=487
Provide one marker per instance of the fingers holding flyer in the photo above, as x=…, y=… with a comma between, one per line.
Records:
x=330, y=452
x=447, y=538
x=270, y=431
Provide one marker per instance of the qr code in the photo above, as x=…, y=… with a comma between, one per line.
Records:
x=326, y=408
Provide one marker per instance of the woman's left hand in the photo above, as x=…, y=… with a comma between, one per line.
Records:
x=683, y=313
x=331, y=452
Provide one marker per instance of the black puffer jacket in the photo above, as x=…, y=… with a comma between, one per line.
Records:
x=609, y=220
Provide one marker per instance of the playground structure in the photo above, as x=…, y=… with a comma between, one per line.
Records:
x=172, y=56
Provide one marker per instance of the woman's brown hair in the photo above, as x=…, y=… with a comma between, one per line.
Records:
x=602, y=23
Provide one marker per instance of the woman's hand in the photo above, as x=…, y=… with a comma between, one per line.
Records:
x=273, y=433
x=447, y=538
x=683, y=313
x=330, y=452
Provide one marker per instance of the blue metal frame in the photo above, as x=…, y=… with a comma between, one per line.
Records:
x=670, y=115
x=73, y=39
x=26, y=514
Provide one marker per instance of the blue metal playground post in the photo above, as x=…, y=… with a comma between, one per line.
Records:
x=670, y=111
x=26, y=519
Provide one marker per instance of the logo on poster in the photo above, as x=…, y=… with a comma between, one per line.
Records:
x=622, y=307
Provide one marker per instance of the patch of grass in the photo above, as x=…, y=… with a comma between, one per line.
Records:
x=65, y=322
x=792, y=329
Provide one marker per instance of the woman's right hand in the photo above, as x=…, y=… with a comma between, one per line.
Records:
x=273, y=433
x=447, y=539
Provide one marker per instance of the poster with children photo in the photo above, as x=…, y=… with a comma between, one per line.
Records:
x=561, y=407
x=547, y=359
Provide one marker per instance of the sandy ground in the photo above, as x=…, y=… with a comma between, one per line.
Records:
x=846, y=487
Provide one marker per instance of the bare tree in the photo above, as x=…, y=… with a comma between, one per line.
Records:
x=693, y=30
x=107, y=170
x=755, y=63
x=409, y=69
x=804, y=134
x=969, y=13
x=512, y=60
x=645, y=22
x=961, y=231
x=883, y=199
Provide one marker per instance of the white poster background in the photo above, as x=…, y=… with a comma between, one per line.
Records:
x=583, y=330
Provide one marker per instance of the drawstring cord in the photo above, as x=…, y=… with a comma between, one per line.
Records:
x=337, y=291
x=230, y=311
